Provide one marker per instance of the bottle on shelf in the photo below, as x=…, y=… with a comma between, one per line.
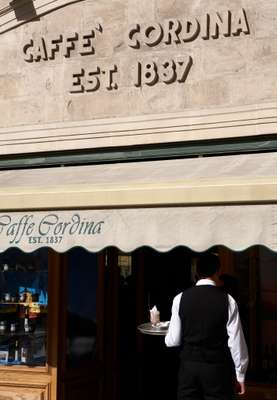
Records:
x=3, y=326
x=13, y=350
x=13, y=327
x=5, y=267
x=16, y=352
x=21, y=297
x=25, y=352
x=7, y=297
x=26, y=320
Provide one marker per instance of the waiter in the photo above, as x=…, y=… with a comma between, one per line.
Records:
x=205, y=322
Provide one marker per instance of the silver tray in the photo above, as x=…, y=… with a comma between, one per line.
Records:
x=158, y=330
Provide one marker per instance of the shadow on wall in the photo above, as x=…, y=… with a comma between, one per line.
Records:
x=24, y=10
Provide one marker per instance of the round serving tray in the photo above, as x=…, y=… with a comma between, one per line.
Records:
x=157, y=330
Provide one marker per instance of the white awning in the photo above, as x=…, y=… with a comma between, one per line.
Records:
x=199, y=228
x=197, y=203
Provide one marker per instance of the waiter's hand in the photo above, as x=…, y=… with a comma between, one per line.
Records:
x=240, y=388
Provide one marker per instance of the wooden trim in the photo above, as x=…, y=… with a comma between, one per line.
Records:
x=233, y=122
x=138, y=260
x=54, y=285
x=111, y=325
x=23, y=369
x=24, y=392
x=253, y=292
x=17, y=378
x=63, y=302
x=100, y=313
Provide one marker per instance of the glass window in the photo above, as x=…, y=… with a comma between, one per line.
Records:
x=81, y=307
x=23, y=307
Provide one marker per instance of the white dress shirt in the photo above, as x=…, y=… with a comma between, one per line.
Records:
x=236, y=340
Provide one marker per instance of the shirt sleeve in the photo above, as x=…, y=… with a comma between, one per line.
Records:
x=173, y=336
x=236, y=341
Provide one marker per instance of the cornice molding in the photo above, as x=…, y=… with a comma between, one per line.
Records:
x=247, y=121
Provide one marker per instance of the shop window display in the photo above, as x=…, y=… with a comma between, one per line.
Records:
x=23, y=307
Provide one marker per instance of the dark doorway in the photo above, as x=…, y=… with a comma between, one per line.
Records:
x=113, y=293
x=141, y=365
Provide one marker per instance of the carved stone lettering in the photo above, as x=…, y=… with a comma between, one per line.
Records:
x=39, y=50
x=27, y=50
x=167, y=71
x=92, y=79
x=76, y=82
x=153, y=35
x=131, y=40
x=69, y=44
x=182, y=69
x=175, y=32
x=85, y=44
x=220, y=24
x=204, y=23
x=54, y=46
x=190, y=30
x=64, y=45
x=147, y=73
x=110, y=78
x=172, y=31
x=240, y=23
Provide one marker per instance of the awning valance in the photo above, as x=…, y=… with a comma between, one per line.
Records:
x=199, y=228
x=197, y=203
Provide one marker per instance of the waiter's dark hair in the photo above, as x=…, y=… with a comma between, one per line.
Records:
x=208, y=264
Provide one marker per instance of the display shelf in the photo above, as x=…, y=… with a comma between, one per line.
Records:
x=33, y=304
x=24, y=309
x=32, y=363
x=36, y=333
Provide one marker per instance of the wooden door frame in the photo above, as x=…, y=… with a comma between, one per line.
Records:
x=110, y=315
x=55, y=268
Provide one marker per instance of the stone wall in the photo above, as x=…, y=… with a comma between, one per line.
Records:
x=106, y=59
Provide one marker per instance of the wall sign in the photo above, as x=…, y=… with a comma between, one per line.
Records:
x=148, y=71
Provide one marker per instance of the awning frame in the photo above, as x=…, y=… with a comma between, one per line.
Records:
x=228, y=191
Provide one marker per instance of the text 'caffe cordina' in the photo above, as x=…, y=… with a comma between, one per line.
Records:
x=134, y=138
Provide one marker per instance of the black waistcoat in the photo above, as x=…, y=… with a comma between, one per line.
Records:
x=204, y=316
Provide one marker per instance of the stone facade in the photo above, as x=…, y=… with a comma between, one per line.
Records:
x=126, y=62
